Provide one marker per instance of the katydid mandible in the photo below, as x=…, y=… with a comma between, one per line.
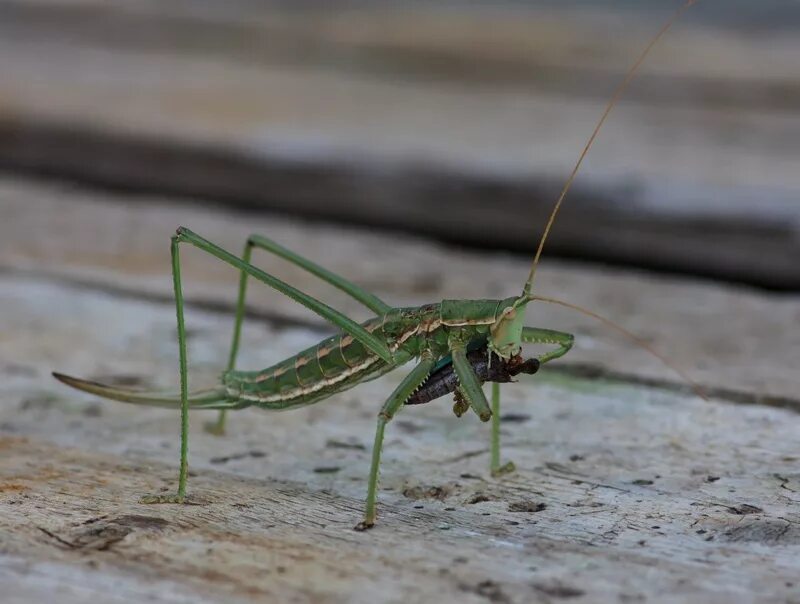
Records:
x=437, y=336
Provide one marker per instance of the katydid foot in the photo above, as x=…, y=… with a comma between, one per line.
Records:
x=506, y=468
x=364, y=525
x=152, y=499
x=216, y=428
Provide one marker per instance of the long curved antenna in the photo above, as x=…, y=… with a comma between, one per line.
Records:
x=696, y=388
x=614, y=98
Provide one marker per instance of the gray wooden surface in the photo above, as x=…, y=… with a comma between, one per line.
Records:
x=628, y=487
x=455, y=123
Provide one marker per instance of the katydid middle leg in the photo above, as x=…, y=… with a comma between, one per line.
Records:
x=470, y=389
x=469, y=385
x=396, y=400
x=359, y=294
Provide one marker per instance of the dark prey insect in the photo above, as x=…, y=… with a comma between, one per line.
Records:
x=488, y=367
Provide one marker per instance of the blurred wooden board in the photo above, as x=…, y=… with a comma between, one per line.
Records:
x=733, y=340
x=454, y=122
x=624, y=491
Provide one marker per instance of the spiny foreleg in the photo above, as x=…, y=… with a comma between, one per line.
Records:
x=537, y=335
x=530, y=335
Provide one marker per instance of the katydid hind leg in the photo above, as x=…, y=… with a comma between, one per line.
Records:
x=218, y=427
x=184, y=235
x=361, y=295
x=184, y=464
x=375, y=344
x=395, y=401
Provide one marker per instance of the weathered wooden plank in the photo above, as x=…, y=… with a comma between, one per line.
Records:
x=622, y=491
x=626, y=489
x=380, y=116
x=730, y=339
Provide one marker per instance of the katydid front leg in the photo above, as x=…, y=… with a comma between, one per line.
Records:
x=536, y=335
x=494, y=446
x=530, y=335
x=471, y=391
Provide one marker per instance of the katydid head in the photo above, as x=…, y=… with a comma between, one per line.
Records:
x=505, y=334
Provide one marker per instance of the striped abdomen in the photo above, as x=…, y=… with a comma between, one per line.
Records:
x=335, y=364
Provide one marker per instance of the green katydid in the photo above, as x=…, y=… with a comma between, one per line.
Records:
x=433, y=334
